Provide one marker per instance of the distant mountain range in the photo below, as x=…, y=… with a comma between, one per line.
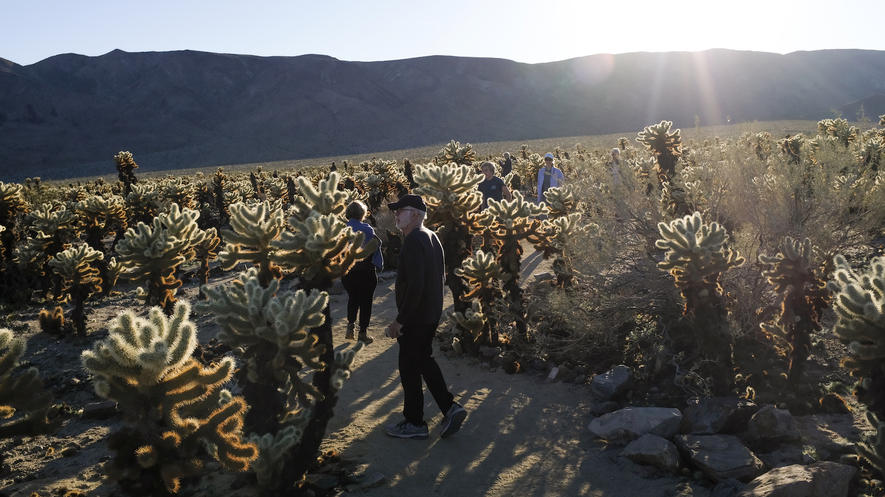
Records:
x=70, y=114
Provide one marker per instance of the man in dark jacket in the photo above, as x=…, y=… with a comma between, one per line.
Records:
x=420, y=280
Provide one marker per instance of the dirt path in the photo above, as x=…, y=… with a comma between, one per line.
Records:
x=523, y=435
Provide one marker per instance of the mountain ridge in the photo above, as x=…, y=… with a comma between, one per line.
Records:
x=174, y=110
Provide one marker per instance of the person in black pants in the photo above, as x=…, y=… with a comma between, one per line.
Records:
x=420, y=278
x=361, y=280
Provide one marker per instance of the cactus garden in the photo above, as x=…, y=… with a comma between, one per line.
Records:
x=185, y=334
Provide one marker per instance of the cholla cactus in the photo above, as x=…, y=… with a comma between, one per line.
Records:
x=142, y=203
x=803, y=298
x=172, y=404
x=178, y=191
x=838, y=129
x=483, y=275
x=55, y=228
x=561, y=201
x=254, y=227
x=453, y=203
x=666, y=147
x=320, y=247
x=23, y=392
x=52, y=322
x=126, y=167
x=696, y=257
x=383, y=179
x=792, y=146
x=150, y=254
x=273, y=329
x=100, y=216
x=80, y=279
x=511, y=222
x=859, y=302
x=12, y=203
x=454, y=152
x=554, y=238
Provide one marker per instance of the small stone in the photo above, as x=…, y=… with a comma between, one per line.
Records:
x=70, y=449
x=100, y=410
x=376, y=480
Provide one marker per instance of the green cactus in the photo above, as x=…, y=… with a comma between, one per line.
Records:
x=510, y=223
x=483, y=275
x=172, y=404
x=12, y=203
x=453, y=152
x=126, y=167
x=453, y=202
x=803, y=298
x=696, y=257
x=859, y=302
x=23, y=393
x=253, y=228
x=151, y=254
x=80, y=278
x=666, y=147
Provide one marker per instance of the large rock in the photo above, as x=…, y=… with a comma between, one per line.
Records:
x=773, y=425
x=628, y=424
x=705, y=416
x=613, y=382
x=720, y=456
x=821, y=479
x=654, y=450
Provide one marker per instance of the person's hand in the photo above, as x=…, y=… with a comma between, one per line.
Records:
x=394, y=330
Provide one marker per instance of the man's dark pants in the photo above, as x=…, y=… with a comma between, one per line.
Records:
x=416, y=362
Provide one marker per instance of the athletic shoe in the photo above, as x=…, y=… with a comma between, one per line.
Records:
x=451, y=422
x=404, y=429
x=366, y=339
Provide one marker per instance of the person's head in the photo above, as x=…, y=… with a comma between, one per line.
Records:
x=548, y=160
x=506, y=155
x=616, y=152
x=488, y=168
x=409, y=212
x=356, y=210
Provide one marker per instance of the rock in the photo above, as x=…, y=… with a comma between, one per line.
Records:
x=538, y=364
x=785, y=455
x=611, y=383
x=728, y=487
x=456, y=347
x=654, y=450
x=70, y=449
x=489, y=352
x=322, y=481
x=821, y=479
x=718, y=415
x=628, y=424
x=772, y=425
x=100, y=410
x=376, y=480
x=720, y=456
x=604, y=407
x=580, y=379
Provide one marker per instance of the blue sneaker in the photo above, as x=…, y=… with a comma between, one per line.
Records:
x=451, y=422
x=404, y=429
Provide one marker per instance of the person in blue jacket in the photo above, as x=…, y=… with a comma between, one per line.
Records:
x=549, y=177
x=361, y=280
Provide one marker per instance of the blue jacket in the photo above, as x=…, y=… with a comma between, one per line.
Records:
x=356, y=225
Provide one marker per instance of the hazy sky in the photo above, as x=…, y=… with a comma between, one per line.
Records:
x=370, y=30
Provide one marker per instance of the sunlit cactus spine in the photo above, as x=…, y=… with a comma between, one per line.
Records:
x=253, y=228
x=142, y=204
x=52, y=322
x=554, y=239
x=12, y=204
x=696, y=256
x=383, y=180
x=838, y=129
x=150, y=254
x=22, y=393
x=172, y=404
x=511, y=222
x=126, y=167
x=803, y=299
x=54, y=229
x=453, y=202
x=454, y=152
x=561, y=201
x=483, y=275
x=859, y=302
x=666, y=147
x=80, y=278
x=178, y=191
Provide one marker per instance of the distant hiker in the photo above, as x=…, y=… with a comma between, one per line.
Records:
x=420, y=279
x=549, y=177
x=506, y=165
x=361, y=280
x=615, y=166
x=492, y=186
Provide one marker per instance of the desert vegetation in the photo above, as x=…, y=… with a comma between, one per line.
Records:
x=711, y=266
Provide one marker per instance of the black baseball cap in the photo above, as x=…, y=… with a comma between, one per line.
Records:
x=410, y=200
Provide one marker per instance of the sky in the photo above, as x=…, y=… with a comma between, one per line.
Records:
x=529, y=31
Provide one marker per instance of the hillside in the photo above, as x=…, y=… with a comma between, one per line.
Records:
x=68, y=115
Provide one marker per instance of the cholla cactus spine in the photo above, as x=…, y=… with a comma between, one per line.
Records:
x=23, y=392
x=80, y=278
x=146, y=366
